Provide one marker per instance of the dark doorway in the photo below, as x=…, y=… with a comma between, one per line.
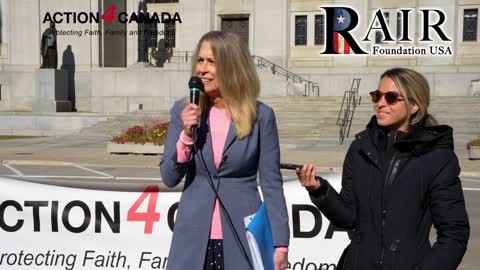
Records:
x=113, y=41
x=238, y=26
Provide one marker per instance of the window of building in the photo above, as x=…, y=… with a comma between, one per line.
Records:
x=161, y=1
x=169, y=32
x=399, y=25
x=112, y=48
x=1, y=23
x=239, y=26
x=319, y=29
x=301, y=30
x=395, y=22
x=379, y=33
x=470, y=24
x=152, y=36
x=4, y=29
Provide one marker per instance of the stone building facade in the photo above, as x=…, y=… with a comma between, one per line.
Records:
x=106, y=77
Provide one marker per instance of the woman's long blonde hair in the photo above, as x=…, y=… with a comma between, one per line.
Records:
x=414, y=88
x=237, y=78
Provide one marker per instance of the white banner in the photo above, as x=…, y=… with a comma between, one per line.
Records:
x=52, y=227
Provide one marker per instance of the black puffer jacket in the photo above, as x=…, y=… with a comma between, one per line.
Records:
x=394, y=186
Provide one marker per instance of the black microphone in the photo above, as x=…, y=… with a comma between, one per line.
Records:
x=289, y=166
x=196, y=86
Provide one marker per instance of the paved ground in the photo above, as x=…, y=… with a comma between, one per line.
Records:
x=92, y=150
x=84, y=159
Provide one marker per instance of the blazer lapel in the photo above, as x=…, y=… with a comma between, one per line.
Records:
x=231, y=136
x=207, y=149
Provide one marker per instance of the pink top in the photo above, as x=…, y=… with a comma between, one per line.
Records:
x=219, y=124
x=219, y=121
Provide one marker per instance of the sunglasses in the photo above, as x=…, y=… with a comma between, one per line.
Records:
x=390, y=97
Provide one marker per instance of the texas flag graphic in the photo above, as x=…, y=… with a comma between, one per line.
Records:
x=342, y=20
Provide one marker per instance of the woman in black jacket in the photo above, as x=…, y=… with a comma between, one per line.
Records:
x=400, y=176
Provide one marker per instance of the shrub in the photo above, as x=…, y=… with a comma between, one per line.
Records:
x=155, y=133
x=474, y=142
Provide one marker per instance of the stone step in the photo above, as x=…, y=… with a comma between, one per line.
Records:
x=462, y=107
x=298, y=120
x=363, y=98
x=471, y=116
x=312, y=120
x=467, y=122
x=114, y=125
x=335, y=133
x=369, y=109
x=458, y=139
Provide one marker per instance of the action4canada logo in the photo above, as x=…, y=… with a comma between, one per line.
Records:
x=341, y=21
x=109, y=15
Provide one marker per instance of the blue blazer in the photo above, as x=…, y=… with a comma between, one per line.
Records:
x=236, y=183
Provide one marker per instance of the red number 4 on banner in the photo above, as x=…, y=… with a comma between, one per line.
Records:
x=149, y=217
x=109, y=14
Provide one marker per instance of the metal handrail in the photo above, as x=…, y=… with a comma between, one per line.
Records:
x=181, y=57
x=350, y=101
x=311, y=88
x=176, y=57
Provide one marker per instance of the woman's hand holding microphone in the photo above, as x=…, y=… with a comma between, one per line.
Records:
x=306, y=176
x=190, y=117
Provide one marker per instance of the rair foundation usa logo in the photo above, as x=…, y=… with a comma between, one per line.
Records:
x=342, y=21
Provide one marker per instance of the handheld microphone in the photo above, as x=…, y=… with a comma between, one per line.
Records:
x=288, y=166
x=196, y=86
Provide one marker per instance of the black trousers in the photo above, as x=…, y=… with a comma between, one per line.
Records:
x=214, y=256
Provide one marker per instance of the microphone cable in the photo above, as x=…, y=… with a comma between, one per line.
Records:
x=222, y=206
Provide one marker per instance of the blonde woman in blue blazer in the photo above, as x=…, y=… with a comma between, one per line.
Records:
x=251, y=148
